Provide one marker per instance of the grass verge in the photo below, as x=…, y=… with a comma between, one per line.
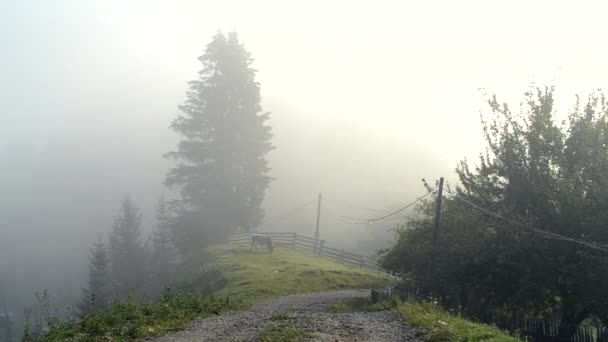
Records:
x=436, y=325
x=283, y=332
x=237, y=275
x=130, y=320
x=359, y=305
x=255, y=276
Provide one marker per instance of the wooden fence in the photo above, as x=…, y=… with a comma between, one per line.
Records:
x=317, y=247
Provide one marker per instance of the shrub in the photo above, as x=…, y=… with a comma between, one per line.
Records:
x=131, y=319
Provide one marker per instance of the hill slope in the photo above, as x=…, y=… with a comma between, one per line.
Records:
x=254, y=276
x=237, y=273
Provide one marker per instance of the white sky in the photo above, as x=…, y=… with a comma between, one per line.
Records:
x=367, y=96
x=401, y=68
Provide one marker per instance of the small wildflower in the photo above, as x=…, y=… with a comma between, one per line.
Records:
x=442, y=323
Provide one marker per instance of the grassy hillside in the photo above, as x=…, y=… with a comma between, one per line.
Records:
x=238, y=276
x=260, y=275
x=235, y=277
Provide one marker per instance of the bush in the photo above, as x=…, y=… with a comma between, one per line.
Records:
x=131, y=319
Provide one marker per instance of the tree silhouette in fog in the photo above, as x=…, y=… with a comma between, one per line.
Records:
x=220, y=169
x=163, y=257
x=126, y=252
x=99, y=292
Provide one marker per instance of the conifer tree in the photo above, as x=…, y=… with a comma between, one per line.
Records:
x=163, y=256
x=99, y=292
x=126, y=251
x=221, y=169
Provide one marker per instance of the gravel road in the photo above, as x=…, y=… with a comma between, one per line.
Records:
x=306, y=313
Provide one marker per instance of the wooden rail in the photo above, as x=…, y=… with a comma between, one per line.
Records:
x=308, y=244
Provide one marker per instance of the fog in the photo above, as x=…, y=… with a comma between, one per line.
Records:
x=366, y=99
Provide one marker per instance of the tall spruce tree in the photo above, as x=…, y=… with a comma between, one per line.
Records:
x=221, y=168
x=99, y=291
x=163, y=255
x=126, y=251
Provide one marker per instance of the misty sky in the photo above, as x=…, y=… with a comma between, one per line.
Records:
x=367, y=98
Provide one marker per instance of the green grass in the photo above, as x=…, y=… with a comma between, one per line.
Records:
x=430, y=321
x=359, y=305
x=437, y=325
x=131, y=320
x=283, y=332
x=260, y=275
x=238, y=277
x=282, y=329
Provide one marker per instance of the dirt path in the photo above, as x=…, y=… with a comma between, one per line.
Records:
x=306, y=313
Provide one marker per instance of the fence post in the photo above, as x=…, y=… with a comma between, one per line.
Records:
x=293, y=243
x=321, y=247
x=316, y=245
x=361, y=262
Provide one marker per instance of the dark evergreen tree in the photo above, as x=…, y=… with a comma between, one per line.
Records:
x=163, y=256
x=126, y=251
x=221, y=168
x=98, y=294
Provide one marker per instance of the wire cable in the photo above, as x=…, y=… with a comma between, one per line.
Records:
x=355, y=206
x=539, y=232
x=358, y=221
x=340, y=218
x=372, y=220
x=287, y=213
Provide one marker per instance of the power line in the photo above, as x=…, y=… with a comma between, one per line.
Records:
x=352, y=220
x=340, y=218
x=372, y=220
x=288, y=213
x=539, y=232
x=355, y=206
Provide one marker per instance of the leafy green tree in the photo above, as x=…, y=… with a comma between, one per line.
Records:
x=221, y=169
x=98, y=294
x=126, y=251
x=546, y=187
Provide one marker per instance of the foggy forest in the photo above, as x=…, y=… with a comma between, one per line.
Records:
x=434, y=170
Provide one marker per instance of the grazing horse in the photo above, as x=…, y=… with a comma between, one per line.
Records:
x=257, y=239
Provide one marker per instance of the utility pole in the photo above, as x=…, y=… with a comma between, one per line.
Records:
x=435, y=231
x=316, y=249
